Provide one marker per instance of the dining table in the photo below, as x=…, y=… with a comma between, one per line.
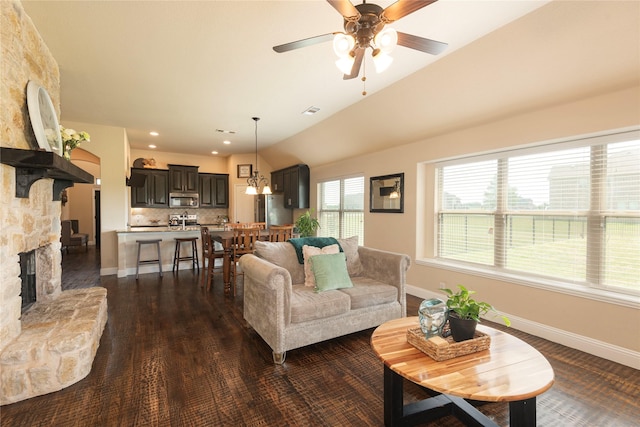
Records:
x=225, y=238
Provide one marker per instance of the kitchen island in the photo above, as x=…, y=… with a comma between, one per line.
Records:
x=128, y=248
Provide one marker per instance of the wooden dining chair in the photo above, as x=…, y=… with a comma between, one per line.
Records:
x=280, y=233
x=209, y=256
x=243, y=243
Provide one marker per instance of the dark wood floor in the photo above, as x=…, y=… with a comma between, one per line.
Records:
x=173, y=355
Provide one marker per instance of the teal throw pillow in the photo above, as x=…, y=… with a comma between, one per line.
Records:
x=330, y=271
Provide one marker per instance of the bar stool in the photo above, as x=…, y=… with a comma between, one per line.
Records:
x=194, y=253
x=149, y=261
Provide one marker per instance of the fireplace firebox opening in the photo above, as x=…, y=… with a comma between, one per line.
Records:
x=28, y=279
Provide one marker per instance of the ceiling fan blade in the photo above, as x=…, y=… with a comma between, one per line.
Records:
x=304, y=43
x=402, y=8
x=346, y=9
x=420, y=43
x=357, y=62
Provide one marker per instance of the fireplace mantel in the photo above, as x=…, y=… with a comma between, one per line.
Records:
x=32, y=165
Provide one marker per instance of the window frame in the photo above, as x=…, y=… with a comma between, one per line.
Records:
x=618, y=295
x=341, y=211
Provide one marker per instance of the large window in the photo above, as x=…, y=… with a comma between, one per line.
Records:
x=568, y=211
x=341, y=208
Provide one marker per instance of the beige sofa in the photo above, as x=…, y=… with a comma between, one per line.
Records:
x=288, y=315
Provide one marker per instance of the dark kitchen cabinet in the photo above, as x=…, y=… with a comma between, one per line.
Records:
x=214, y=190
x=294, y=183
x=155, y=191
x=183, y=179
x=277, y=181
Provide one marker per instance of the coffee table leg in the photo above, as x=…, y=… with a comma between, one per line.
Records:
x=393, y=400
x=523, y=413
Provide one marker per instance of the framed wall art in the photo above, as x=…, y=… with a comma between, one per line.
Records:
x=245, y=171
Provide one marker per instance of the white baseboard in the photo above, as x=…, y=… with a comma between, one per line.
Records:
x=109, y=271
x=144, y=269
x=598, y=348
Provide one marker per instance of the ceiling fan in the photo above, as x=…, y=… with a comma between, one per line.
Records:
x=364, y=27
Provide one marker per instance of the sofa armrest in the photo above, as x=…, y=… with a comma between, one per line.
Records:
x=386, y=267
x=267, y=298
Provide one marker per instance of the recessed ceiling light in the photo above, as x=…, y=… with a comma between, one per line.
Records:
x=152, y=146
x=154, y=133
x=227, y=142
x=311, y=110
x=225, y=131
x=214, y=152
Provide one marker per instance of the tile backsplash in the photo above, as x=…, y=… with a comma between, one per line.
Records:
x=154, y=216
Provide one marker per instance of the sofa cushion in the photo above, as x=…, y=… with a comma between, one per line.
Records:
x=330, y=272
x=308, y=305
x=350, y=248
x=368, y=292
x=309, y=251
x=283, y=255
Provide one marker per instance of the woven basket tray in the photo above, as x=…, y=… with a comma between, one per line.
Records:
x=440, y=349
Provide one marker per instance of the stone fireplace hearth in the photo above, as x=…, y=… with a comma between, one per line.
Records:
x=53, y=343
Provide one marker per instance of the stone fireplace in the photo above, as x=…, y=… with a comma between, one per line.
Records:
x=52, y=344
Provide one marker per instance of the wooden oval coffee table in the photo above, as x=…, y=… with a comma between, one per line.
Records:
x=509, y=371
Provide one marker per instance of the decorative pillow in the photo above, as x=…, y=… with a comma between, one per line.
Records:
x=350, y=248
x=309, y=251
x=330, y=272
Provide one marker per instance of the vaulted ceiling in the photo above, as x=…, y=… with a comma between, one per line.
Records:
x=186, y=69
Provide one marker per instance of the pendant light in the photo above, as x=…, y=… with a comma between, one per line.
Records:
x=257, y=180
x=395, y=193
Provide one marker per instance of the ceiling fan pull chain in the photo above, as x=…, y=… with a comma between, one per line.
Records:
x=364, y=78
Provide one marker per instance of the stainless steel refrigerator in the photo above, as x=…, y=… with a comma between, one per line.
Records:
x=270, y=209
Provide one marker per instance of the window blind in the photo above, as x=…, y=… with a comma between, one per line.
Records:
x=569, y=211
x=341, y=208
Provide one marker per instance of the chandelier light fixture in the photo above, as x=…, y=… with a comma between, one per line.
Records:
x=395, y=193
x=256, y=180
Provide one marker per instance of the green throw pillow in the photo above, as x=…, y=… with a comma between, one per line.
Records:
x=330, y=272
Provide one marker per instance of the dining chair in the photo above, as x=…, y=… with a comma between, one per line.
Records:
x=209, y=256
x=243, y=243
x=280, y=233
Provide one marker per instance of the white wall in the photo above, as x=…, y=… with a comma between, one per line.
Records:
x=593, y=324
x=111, y=145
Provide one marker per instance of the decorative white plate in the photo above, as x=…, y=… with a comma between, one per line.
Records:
x=43, y=118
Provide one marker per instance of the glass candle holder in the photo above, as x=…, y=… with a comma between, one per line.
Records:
x=433, y=315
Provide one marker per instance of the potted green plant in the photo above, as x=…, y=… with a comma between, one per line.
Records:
x=465, y=312
x=306, y=225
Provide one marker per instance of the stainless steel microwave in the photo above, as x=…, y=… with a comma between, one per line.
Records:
x=184, y=200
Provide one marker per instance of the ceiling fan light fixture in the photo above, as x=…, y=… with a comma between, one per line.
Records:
x=381, y=60
x=386, y=40
x=345, y=64
x=343, y=44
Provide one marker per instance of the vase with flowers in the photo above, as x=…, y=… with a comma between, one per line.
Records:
x=71, y=139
